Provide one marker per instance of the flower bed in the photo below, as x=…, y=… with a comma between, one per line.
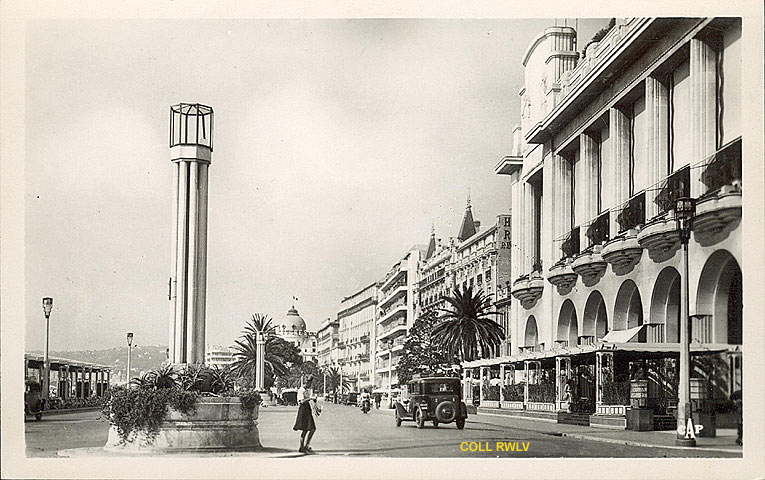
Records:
x=514, y=393
x=542, y=393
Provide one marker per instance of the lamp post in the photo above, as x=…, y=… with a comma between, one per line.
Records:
x=47, y=304
x=130, y=350
x=685, y=209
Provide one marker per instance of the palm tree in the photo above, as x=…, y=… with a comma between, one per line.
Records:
x=465, y=329
x=336, y=380
x=279, y=355
x=260, y=323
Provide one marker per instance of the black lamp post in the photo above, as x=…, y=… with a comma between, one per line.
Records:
x=47, y=304
x=685, y=209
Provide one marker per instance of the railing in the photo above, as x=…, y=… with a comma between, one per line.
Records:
x=364, y=338
x=722, y=168
x=570, y=245
x=597, y=230
x=399, y=341
x=390, y=327
x=393, y=307
x=632, y=213
x=673, y=187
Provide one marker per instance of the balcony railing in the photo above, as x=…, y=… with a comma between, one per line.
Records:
x=722, y=168
x=632, y=213
x=570, y=246
x=597, y=230
x=673, y=187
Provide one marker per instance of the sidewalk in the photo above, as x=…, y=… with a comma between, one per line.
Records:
x=724, y=442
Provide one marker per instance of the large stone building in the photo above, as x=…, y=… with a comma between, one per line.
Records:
x=395, y=315
x=292, y=328
x=217, y=356
x=482, y=261
x=435, y=275
x=328, y=337
x=356, y=332
x=607, y=142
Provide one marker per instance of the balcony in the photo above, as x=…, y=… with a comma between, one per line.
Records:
x=394, y=274
x=624, y=251
x=364, y=338
x=395, y=311
x=718, y=209
x=395, y=291
x=393, y=328
x=561, y=275
x=590, y=264
x=528, y=288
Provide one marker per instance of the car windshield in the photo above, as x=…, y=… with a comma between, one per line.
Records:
x=441, y=387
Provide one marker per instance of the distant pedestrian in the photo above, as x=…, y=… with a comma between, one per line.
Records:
x=377, y=400
x=307, y=408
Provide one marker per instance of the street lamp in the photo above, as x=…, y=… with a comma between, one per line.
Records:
x=130, y=350
x=685, y=209
x=47, y=304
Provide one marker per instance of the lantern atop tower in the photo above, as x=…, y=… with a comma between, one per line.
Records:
x=191, y=124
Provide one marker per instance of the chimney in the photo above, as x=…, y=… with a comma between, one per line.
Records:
x=477, y=224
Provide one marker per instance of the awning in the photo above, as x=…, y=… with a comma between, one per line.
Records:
x=622, y=336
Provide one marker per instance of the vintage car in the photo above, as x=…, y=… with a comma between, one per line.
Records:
x=436, y=399
x=352, y=398
x=34, y=404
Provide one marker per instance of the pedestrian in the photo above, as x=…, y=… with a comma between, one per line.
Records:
x=377, y=400
x=307, y=408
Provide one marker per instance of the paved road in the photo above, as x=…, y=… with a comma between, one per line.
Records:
x=343, y=430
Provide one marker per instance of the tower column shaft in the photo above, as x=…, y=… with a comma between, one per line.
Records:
x=191, y=268
x=174, y=259
x=178, y=350
x=201, y=281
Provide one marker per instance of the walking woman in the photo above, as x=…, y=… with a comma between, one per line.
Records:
x=307, y=408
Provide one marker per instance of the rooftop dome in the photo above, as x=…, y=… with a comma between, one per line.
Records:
x=293, y=320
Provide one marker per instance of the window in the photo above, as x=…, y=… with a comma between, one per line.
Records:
x=637, y=161
x=680, y=148
x=603, y=161
x=729, y=84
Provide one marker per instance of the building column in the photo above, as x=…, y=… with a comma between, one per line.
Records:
x=177, y=351
x=588, y=180
x=90, y=383
x=526, y=383
x=558, y=384
x=619, y=146
x=604, y=362
x=502, y=384
x=108, y=379
x=482, y=375
x=703, y=78
x=467, y=383
x=528, y=230
x=657, y=112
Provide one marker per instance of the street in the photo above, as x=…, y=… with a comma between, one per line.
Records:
x=344, y=430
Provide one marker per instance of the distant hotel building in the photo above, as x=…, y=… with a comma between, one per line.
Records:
x=357, y=334
x=395, y=315
x=608, y=141
x=292, y=328
x=217, y=356
x=328, y=337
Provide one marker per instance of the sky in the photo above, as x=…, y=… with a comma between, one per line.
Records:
x=338, y=144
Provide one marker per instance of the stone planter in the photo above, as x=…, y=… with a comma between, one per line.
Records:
x=219, y=424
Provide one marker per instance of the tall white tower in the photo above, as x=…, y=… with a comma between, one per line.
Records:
x=191, y=132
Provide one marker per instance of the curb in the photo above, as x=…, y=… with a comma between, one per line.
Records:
x=67, y=411
x=594, y=438
x=650, y=445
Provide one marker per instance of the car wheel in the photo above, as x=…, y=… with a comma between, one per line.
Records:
x=435, y=423
x=38, y=416
x=460, y=423
x=398, y=420
x=419, y=418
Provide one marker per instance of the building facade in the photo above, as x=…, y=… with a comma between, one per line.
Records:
x=395, y=315
x=482, y=261
x=435, y=275
x=606, y=145
x=292, y=328
x=328, y=338
x=357, y=332
x=217, y=356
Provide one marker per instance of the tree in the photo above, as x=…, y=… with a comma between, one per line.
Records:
x=298, y=372
x=336, y=380
x=465, y=329
x=421, y=355
x=260, y=323
x=279, y=354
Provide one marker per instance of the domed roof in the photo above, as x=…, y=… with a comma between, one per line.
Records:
x=293, y=320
